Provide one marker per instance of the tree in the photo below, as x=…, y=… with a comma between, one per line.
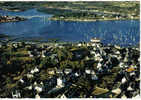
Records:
x=61, y=55
x=43, y=62
x=70, y=55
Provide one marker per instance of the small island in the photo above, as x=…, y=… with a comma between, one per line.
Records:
x=10, y=19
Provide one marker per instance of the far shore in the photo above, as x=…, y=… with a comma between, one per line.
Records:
x=89, y=20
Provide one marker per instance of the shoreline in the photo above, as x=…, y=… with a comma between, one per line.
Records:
x=89, y=20
x=57, y=42
x=16, y=10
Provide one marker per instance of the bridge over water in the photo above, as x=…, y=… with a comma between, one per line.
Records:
x=39, y=16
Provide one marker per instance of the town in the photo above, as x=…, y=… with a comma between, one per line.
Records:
x=68, y=70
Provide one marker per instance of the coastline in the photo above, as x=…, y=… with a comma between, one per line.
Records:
x=16, y=10
x=89, y=20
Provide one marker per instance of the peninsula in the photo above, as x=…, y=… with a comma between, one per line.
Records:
x=10, y=19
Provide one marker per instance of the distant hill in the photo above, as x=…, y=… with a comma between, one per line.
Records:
x=81, y=10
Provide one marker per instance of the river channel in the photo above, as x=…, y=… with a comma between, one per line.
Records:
x=38, y=25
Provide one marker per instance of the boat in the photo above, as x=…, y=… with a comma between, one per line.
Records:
x=95, y=40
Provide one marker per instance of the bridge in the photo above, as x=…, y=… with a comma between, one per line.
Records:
x=29, y=17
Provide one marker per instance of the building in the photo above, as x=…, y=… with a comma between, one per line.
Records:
x=67, y=71
x=16, y=94
x=95, y=40
x=51, y=71
x=59, y=71
x=60, y=82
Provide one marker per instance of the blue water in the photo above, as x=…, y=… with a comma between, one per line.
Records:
x=114, y=32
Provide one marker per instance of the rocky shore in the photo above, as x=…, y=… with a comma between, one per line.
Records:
x=4, y=19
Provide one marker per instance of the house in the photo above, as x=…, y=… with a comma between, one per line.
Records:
x=87, y=71
x=117, y=52
x=67, y=71
x=51, y=71
x=62, y=17
x=53, y=56
x=117, y=56
x=99, y=91
x=97, y=57
x=125, y=59
x=124, y=80
x=94, y=77
x=59, y=71
x=131, y=70
x=88, y=44
x=36, y=70
x=37, y=96
x=79, y=44
x=38, y=89
x=116, y=91
x=35, y=83
x=92, y=52
x=21, y=80
x=15, y=45
x=60, y=82
x=101, y=59
x=30, y=54
x=16, y=94
x=63, y=96
x=100, y=70
x=32, y=71
x=41, y=83
x=29, y=75
x=44, y=46
x=117, y=17
x=77, y=74
x=56, y=44
x=29, y=87
x=95, y=40
x=91, y=73
x=87, y=58
x=117, y=47
x=121, y=64
x=99, y=65
x=123, y=97
x=60, y=46
x=130, y=88
x=44, y=53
